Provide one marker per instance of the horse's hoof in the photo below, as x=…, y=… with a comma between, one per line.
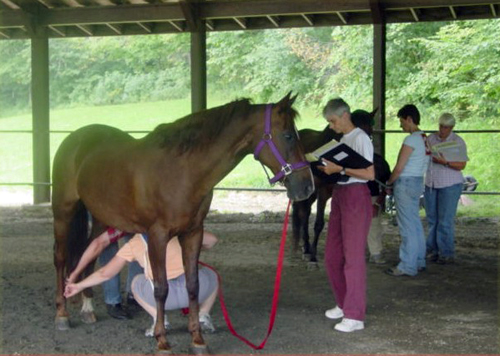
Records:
x=62, y=323
x=312, y=266
x=88, y=317
x=200, y=350
x=306, y=256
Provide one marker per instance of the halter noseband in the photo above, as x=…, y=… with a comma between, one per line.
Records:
x=267, y=139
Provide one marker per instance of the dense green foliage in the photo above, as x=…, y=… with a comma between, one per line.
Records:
x=438, y=66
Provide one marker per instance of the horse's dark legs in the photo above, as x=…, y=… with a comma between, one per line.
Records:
x=61, y=229
x=191, y=246
x=157, y=247
x=296, y=225
x=323, y=194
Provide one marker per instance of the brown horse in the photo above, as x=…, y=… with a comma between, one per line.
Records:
x=301, y=210
x=162, y=185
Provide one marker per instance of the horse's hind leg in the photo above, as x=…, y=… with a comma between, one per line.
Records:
x=61, y=228
x=191, y=245
x=324, y=193
x=70, y=226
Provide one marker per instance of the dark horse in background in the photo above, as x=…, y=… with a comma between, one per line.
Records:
x=311, y=140
x=162, y=185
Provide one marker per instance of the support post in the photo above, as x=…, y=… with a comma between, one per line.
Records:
x=379, y=84
x=199, y=68
x=40, y=115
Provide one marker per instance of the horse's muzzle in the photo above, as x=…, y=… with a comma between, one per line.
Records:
x=300, y=184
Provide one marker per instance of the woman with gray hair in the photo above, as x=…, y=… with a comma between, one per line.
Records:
x=443, y=186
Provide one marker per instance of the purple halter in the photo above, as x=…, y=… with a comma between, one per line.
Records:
x=267, y=139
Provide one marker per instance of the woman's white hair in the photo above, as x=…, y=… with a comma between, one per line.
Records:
x=337, y=107
x=447, y=119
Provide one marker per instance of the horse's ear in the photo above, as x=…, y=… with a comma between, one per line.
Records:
x=372, y=114
x=287, y=100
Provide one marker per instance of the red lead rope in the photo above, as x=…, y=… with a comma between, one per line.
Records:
x=277, y=283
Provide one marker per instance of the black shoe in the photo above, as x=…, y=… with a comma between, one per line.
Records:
x=445, y=261
x=131, y=302
x=432, y=257
x=116, y=311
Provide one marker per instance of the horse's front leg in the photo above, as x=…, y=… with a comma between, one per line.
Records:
x=60, y=233
x=191, y=245
x=157, y=247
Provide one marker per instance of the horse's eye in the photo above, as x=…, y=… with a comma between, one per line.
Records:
x=288, y=136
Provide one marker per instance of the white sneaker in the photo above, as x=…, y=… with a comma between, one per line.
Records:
x=349, y=325
x=335, y=313
x=206, y=324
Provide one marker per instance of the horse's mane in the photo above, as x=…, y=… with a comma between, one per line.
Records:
x=197, y=130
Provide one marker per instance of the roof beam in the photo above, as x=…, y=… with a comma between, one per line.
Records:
x=210, y=25
x=85, y=29
x=250, y=8
x=308, y=18
x=453, y=13
x=115, y=28
x=58, y=31
x=241, y=22
x=111, y=14
x=274, y=20
x=493, y=10
x=190, y=11
x=176, y=26
x=5, y=34
x=11, y=4
x=47, y=3
x=414, y=14
x=342, y=17
x=147, y=27
x=10, y=18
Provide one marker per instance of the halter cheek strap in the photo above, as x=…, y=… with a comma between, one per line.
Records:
x=267, y=139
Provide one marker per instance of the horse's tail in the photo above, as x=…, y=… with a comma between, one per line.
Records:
x=78, y=236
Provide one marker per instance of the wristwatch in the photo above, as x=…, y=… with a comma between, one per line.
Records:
x=342, y=172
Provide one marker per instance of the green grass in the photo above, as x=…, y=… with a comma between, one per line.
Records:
x=16, y=149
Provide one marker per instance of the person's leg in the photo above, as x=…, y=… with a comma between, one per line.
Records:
x=448, y=201
x=111, y=287
x=334, y=255
x=407, y=191
x=356, y=218
x=375, y=236
x=431, y=206
x=112, y=295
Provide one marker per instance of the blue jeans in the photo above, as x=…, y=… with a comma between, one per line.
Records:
x=440, y=208
x=407, y=191
x=111, y=287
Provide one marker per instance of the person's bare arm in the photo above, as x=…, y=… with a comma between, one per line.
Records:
x=95, y=248
x=111, y=269
x=404, y=155
x=209, y=240
x=362, y=173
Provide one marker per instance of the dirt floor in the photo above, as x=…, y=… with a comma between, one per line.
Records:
x=449, y=309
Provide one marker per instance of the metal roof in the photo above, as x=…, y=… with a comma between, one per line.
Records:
x=77, y=18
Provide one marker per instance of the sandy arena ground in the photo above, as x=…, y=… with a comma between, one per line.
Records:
x=446, y=310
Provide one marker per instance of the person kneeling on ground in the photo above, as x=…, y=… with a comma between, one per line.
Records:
x=142, y=285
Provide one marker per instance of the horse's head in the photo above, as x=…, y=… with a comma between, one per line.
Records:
x=279, y=148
